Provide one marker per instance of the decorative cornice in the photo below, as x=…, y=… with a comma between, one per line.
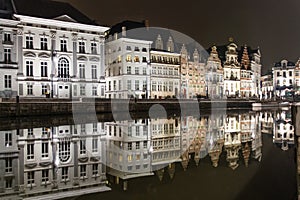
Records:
x=29, y=54
x=44, y=55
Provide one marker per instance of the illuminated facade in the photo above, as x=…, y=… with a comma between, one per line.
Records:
x=127, y=67
x=283, y=77
x=232, y=72
x=165, y=74
x=192, y=75
x=8, y=58
x=214, y=75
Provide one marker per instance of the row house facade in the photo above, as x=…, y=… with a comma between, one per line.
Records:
x=283, y=77
x=8, y=58
x=214, y=75
x=267, y=87
x=127, y=68
x=192, y=74
x=241, y=70
x=165, y=74
x=60, y=57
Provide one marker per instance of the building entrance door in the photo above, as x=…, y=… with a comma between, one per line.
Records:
x=63, y=91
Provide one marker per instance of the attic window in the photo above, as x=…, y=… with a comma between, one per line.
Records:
x=128, y=48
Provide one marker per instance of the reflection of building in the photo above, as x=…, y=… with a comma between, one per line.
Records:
x=283, y=77
x=9, y=182
x=53, y=160
x=165, y=140
x=193, y=134
x=128, y=149
x=283, y=134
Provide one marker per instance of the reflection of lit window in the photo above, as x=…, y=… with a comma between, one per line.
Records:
x=82, y=146
x=128, y=58
x=8, y=165
x=129, y=146
x=95, y=169
x=138, y=157
x=120, y=158
x=64, y=150
x=30, y=178
x=30, y=151
x=129, y=158
x=45, y=176
x=136, y=59
x=64, y=173
x=82, y=171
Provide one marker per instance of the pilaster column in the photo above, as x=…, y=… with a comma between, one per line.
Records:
x=20, y=51
x=75, y=39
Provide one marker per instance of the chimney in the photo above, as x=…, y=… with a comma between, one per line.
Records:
x=123, y=31
x=146, y=22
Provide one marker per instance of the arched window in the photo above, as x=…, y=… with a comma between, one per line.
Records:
x=64, y=150
x=63, y=68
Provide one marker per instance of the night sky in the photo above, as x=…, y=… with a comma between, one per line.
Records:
x=271, y=25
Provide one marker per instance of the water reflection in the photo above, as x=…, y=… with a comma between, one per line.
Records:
x=70, y=160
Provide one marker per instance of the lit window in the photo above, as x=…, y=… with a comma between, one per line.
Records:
x=63, y=45
x=94, y=48
x=7, y=55
x=8, y=139
x=44, y=43
x=81, y=47
x=29, y=68
x=7, y=81
x=29, y=42
x=8, y=165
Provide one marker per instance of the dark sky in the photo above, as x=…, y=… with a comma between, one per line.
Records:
x=271, y=25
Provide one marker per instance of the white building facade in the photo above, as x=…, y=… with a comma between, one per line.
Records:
x=60, y=57
x=283, y=77
x=127, y=68
x=8, y=58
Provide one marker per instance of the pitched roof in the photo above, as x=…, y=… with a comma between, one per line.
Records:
x=50, y=9
x=117, y=28
x=6, y=9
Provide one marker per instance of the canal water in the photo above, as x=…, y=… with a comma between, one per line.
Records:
x=223, y=155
